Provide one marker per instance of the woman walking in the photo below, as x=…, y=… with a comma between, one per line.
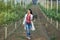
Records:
x=28, y=23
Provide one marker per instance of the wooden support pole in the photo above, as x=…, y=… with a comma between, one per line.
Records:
x=57, y=24
x=15, y=25
x=57, y=15
x=51, y=9
x=5, y=32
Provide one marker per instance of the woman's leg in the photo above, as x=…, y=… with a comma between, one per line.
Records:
x=28, y=30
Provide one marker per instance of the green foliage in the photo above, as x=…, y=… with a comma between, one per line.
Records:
x=10, y=13
x=51, y=13
x=53, y=37
x=59, y=9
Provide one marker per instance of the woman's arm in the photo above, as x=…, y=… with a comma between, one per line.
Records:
x=31, y=17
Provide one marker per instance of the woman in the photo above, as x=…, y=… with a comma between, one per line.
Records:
x=28, y=22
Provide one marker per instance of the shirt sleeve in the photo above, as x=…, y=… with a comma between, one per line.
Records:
x=31, y=17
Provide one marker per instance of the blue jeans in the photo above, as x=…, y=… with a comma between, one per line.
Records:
x=28, y=28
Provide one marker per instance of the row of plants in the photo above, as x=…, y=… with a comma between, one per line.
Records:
x=51, y=13
x=12, y=13
x=11, y=16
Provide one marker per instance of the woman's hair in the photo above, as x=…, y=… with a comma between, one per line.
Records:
x=30, y=11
